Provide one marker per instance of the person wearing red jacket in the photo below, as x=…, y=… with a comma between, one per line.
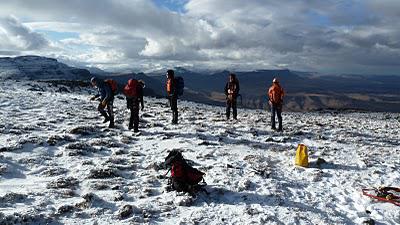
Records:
x=275, y=100
x=134, y=95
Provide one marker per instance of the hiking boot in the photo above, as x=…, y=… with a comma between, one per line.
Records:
x=280, y=130
x=111, y=125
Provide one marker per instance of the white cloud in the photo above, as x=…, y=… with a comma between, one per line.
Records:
x=16, y=36
x=331, y=35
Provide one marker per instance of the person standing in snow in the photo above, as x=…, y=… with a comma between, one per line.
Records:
x=106, y=97
x=172, y=95
x=231, y=92
x=275, y=100
x=134, y=95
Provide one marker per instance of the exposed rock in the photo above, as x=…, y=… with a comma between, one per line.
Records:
x=54, y=171
x=13, y=198
x=28, y=218
x=83, y=130
x=3, y=168
x=244, y=185
x=66, y=209
x=184, y=200
x=62, y=182
x=125, y=212
x=369, y=222
x=156, y=166
x=99, y=186
x=102, y=173
x=320, y=161
x=55, y=139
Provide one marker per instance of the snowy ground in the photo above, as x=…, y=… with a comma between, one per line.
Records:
x=59, y=164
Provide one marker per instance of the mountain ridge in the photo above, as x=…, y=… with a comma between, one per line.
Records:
x=305, y=91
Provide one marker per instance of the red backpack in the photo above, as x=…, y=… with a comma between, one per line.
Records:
x=113, y=85
x=132, y=88
x=181, y=170
x=186, y=173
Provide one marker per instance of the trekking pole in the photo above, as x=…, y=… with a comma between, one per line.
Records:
x=241, y=99
x=167, y=172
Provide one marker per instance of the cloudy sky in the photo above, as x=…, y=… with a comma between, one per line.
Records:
x=326, y=36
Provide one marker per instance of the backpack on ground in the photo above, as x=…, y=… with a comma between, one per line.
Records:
x=301, y=156
x=384, y=194
x=183, y=176
x=180, y=85
x=113, y=85
x=132, y=88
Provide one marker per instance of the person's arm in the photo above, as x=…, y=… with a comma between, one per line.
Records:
x=269, y=93
x=226, y=89
x=108, y=93
x=170, y=89
x=95, y=96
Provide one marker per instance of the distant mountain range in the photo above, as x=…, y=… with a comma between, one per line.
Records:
x=304, y=91
x=38, y=68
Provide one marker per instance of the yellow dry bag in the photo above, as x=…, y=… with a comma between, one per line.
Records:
x=301, y=156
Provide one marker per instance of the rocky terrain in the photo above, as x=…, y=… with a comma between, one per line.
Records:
x=60, y=165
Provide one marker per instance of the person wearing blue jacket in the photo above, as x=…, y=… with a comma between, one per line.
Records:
x=106, y=97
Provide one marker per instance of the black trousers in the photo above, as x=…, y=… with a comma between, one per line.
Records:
x=109, y=114
x=231, y=103
x=276, y=109
x=134, y=119
x=173, y=102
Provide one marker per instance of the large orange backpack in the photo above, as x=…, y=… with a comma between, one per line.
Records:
x=132, y=88
x=113, y=85
x=275, y=94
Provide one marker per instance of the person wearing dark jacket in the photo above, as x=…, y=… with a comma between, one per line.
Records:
x=134, y=96
x=172, y=95
x=231, y=91
x=106, y=97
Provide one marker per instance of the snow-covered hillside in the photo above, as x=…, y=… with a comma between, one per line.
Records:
x=41, y=68
x=59, y=164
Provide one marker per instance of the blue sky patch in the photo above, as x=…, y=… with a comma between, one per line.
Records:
x=57, y=36
x=173, y=5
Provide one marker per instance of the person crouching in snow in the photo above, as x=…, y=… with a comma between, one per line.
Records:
x=275, y=96
x=134, y=95
x=106, y=98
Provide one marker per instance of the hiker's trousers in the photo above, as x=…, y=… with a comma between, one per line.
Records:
x=173, y=102
x=276, y=109
x=109, y=113
x=134, y=119
x=231, y=103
